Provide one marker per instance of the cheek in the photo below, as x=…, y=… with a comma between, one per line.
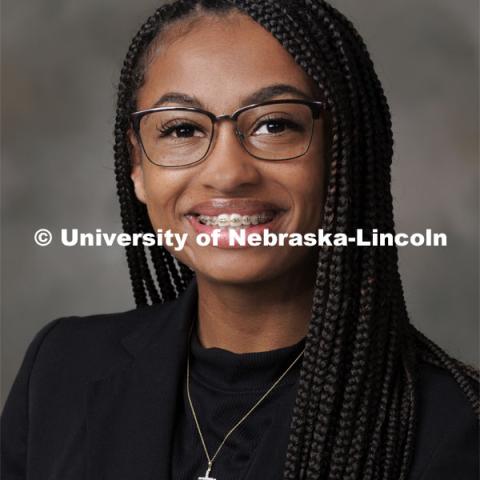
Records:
x=307, y=190
x=163, y=191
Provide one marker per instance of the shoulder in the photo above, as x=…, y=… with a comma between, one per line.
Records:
x=439, y=393
x=91, y=344
x=72, y=351
x=48, y=398
x=447, y=432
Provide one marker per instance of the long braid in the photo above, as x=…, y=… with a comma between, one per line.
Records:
x=133, y=213
x=355, y=410
x=362, y=336
x=380, y=129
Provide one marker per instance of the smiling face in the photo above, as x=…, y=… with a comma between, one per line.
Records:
x=221, y=64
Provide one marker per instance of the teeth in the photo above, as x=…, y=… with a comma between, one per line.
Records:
x=223, y=220
x=234, y=220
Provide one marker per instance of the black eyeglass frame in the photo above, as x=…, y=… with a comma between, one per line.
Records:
x=316, y=107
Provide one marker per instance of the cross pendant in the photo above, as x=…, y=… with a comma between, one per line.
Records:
x=207, y=475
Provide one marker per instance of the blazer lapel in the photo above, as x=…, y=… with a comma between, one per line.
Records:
x=131, y=413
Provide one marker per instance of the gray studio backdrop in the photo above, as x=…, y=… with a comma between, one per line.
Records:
x=60, y=64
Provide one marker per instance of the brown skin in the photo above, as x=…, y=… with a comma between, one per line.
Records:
x=250, y=299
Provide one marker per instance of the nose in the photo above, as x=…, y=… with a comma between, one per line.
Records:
x=228, y=168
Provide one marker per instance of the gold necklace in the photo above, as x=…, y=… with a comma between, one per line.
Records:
x=211, y=459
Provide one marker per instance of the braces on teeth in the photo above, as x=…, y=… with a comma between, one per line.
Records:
x=234, y=220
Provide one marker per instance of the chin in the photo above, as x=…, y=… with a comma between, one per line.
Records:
x=235, y=277
x=245, y=266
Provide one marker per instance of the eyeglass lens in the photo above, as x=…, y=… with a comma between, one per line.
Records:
x=271, y=132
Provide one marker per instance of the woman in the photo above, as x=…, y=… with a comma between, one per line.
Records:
x=247, y=362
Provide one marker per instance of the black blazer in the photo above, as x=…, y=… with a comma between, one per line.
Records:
x=95, y=399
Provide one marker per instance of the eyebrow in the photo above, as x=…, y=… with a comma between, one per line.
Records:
x=177, y=97
x=271, y=91
x=262, y=95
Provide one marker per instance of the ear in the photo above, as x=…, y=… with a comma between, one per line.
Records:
x=136, y=174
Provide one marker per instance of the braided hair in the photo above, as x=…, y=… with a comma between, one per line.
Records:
x=355, y=410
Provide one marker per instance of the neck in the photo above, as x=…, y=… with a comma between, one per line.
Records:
x=255, y=317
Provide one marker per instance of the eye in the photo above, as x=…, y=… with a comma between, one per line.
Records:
x=275, y=126
x=180, y=129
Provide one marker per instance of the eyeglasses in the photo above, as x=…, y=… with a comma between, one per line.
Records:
x=181, y=136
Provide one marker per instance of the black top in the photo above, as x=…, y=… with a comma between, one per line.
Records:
x=100, y=398
x=223, y=387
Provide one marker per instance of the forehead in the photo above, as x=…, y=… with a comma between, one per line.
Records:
x=219, y=60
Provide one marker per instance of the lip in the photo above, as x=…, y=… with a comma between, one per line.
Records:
x=214, y=207
x=224, y=235
x=244, y=206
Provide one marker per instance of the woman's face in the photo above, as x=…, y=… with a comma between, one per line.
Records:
x=220, y=62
